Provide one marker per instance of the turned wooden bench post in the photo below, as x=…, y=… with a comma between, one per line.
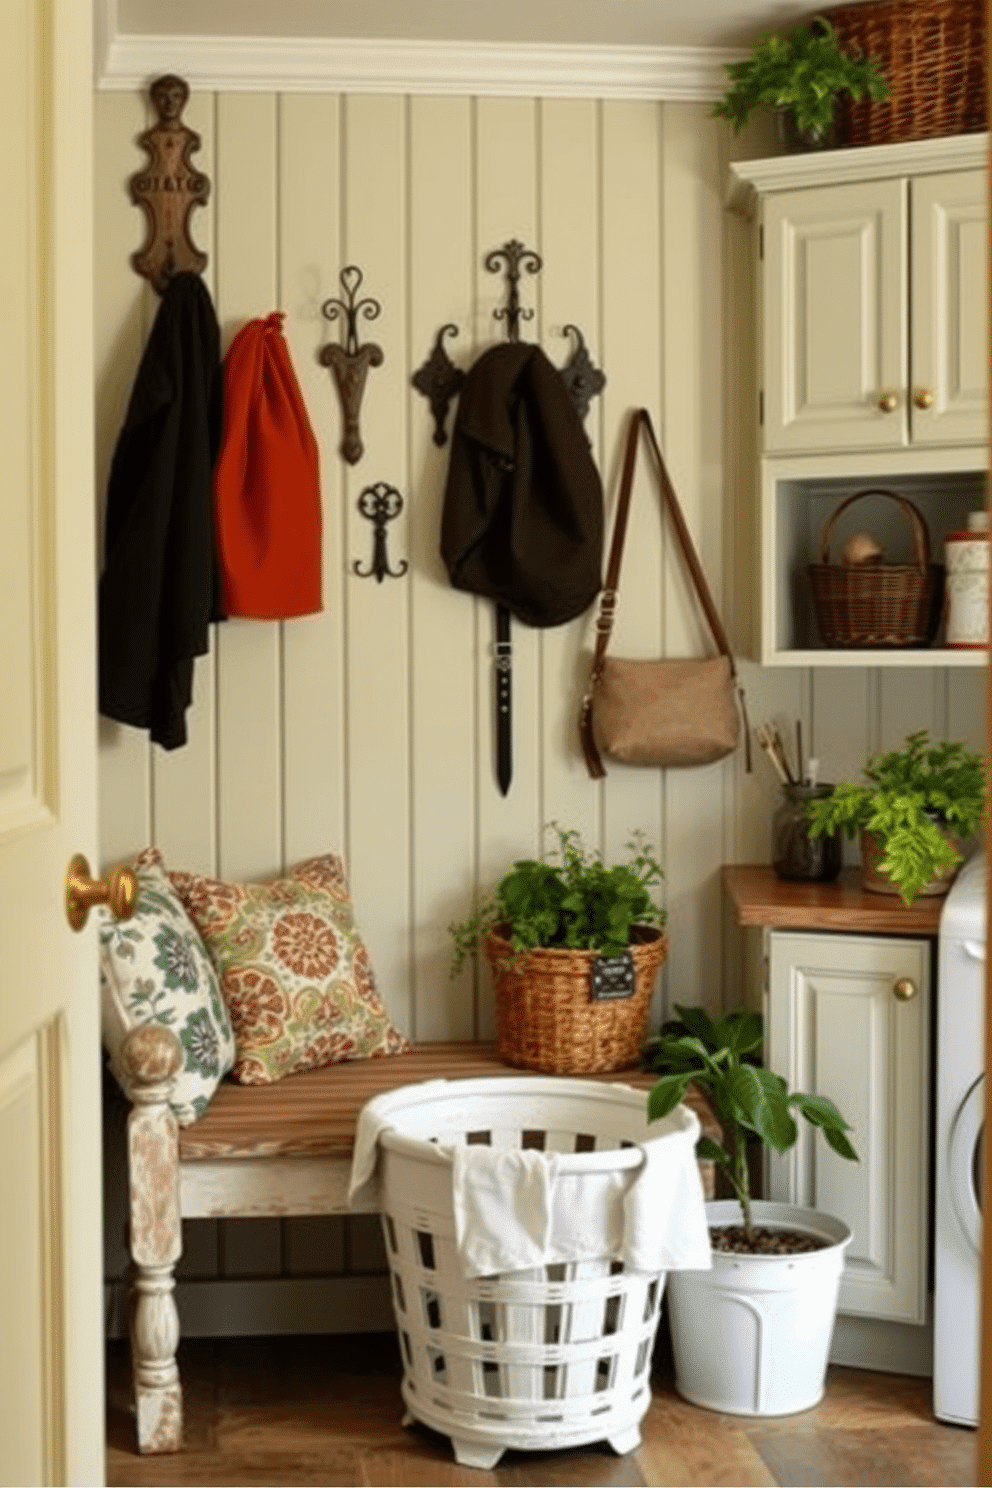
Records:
x=152, y=1057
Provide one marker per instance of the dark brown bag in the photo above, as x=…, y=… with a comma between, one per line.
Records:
x=673, y=712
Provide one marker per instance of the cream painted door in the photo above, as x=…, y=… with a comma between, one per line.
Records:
x=835, y=317
x=51, y=1372
x=848, y=1018
x=949, y=346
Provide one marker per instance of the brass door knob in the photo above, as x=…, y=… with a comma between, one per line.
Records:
x=118, y=891
x=923, y=398
x=888, y=402
x=904, y=989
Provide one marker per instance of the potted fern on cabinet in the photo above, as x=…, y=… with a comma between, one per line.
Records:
x=913, y=814
x=801, y=75
x=752, y=1335
x=574, y=947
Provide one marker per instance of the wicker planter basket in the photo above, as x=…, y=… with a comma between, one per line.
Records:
x=547, y=1018
x=877, y=604
x=933, y=53
x=873, y=849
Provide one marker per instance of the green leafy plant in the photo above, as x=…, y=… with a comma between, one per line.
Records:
x=572, y=901
x=749, y=1099
x=805, y=72
x=915, y=797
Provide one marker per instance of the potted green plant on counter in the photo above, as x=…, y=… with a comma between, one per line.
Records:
x=802, y=75
x=914, y=813
x=774, y=1261
x=574, y=948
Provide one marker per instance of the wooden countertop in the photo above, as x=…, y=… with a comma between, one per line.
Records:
x=760, y=898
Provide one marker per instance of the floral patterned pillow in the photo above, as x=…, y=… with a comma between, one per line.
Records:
x=154, y=969
x=293, y=969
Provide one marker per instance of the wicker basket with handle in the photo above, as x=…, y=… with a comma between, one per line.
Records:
x=877, y=604
x=933, y=53
x=547, y=1018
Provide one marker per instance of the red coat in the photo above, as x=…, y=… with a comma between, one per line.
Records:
x=267, y=482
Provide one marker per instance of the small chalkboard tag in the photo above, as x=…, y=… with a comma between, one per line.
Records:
x=613, y=977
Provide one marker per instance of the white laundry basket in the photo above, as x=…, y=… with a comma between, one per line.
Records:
x=543, y=1358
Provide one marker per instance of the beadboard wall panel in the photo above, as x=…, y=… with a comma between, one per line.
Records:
x=444, y=623
x=310, y=249
x=368, y=729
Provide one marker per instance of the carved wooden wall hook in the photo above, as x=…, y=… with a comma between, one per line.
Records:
x=169, y=187
x=350, y=363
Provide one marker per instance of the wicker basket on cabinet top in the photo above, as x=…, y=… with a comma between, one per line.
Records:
x=877, y=604
x=933, y=53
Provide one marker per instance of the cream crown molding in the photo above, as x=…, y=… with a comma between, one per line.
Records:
x=349, y=65
x=752, y=179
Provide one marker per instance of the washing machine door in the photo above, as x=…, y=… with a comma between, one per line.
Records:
x=964, y=1163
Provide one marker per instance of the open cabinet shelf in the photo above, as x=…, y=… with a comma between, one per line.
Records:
x=798, y=497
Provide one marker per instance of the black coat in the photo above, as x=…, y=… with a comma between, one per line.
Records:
x=160, y=586
x=522, y=521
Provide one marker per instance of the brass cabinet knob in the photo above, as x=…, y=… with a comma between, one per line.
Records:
x=118, y=891
x=888, y=402
x=923, y=398
x=904, y=989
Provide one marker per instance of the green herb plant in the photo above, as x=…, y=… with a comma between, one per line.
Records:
x=805, y=72
x=914, y=796
x=572, y=901
x=748, y=1098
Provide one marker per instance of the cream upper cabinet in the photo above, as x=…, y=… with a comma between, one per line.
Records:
x=871, y=283
x=874, y=314
x=835, y=321
x=848, y=1018
x=948, y=385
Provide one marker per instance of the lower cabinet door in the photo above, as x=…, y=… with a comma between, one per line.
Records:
x=848, y=1017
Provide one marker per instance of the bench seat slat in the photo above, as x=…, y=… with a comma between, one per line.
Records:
x=314, y=1113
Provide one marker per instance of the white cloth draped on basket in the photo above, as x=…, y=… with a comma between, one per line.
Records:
x=519, y=1208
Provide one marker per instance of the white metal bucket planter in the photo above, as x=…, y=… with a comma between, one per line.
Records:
x=549, y=1357
x=751, y=1336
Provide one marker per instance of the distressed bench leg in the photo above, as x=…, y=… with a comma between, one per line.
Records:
x=152, y=1056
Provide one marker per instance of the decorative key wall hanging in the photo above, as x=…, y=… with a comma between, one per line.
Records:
x=380, y=504
x=475, y=518
x=349, y=362
x=168, y=188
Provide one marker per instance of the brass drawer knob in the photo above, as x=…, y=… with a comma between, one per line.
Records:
x=923, y=398
x=904, y=989
x=119, y=891
x=888, y=402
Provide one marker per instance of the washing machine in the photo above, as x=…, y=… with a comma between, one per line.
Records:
x=960, y=1122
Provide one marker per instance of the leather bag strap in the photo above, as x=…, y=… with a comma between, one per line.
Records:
x=640, y=418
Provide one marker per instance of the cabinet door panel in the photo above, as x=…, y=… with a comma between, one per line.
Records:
x=950, y=308
x=835, y=318
x=837, y=1029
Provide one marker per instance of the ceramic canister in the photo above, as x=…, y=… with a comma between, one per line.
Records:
x=966, y=555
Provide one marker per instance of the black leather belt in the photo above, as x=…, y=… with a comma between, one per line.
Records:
x=503, y=674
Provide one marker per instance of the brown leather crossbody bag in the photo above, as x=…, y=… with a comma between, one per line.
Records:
x=674, y=712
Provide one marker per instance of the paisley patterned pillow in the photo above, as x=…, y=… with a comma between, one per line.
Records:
x=293, y=969
x=154, y=969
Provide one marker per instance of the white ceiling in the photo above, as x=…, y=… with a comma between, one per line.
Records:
x=664, y=23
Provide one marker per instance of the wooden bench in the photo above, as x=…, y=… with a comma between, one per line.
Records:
x=282, y=1149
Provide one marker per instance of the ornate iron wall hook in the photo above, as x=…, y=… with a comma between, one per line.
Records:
x=514, y=255
x=439, y=380
x=583, y=380
x=380, y=504
x=168, y=188
x=349, y=362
